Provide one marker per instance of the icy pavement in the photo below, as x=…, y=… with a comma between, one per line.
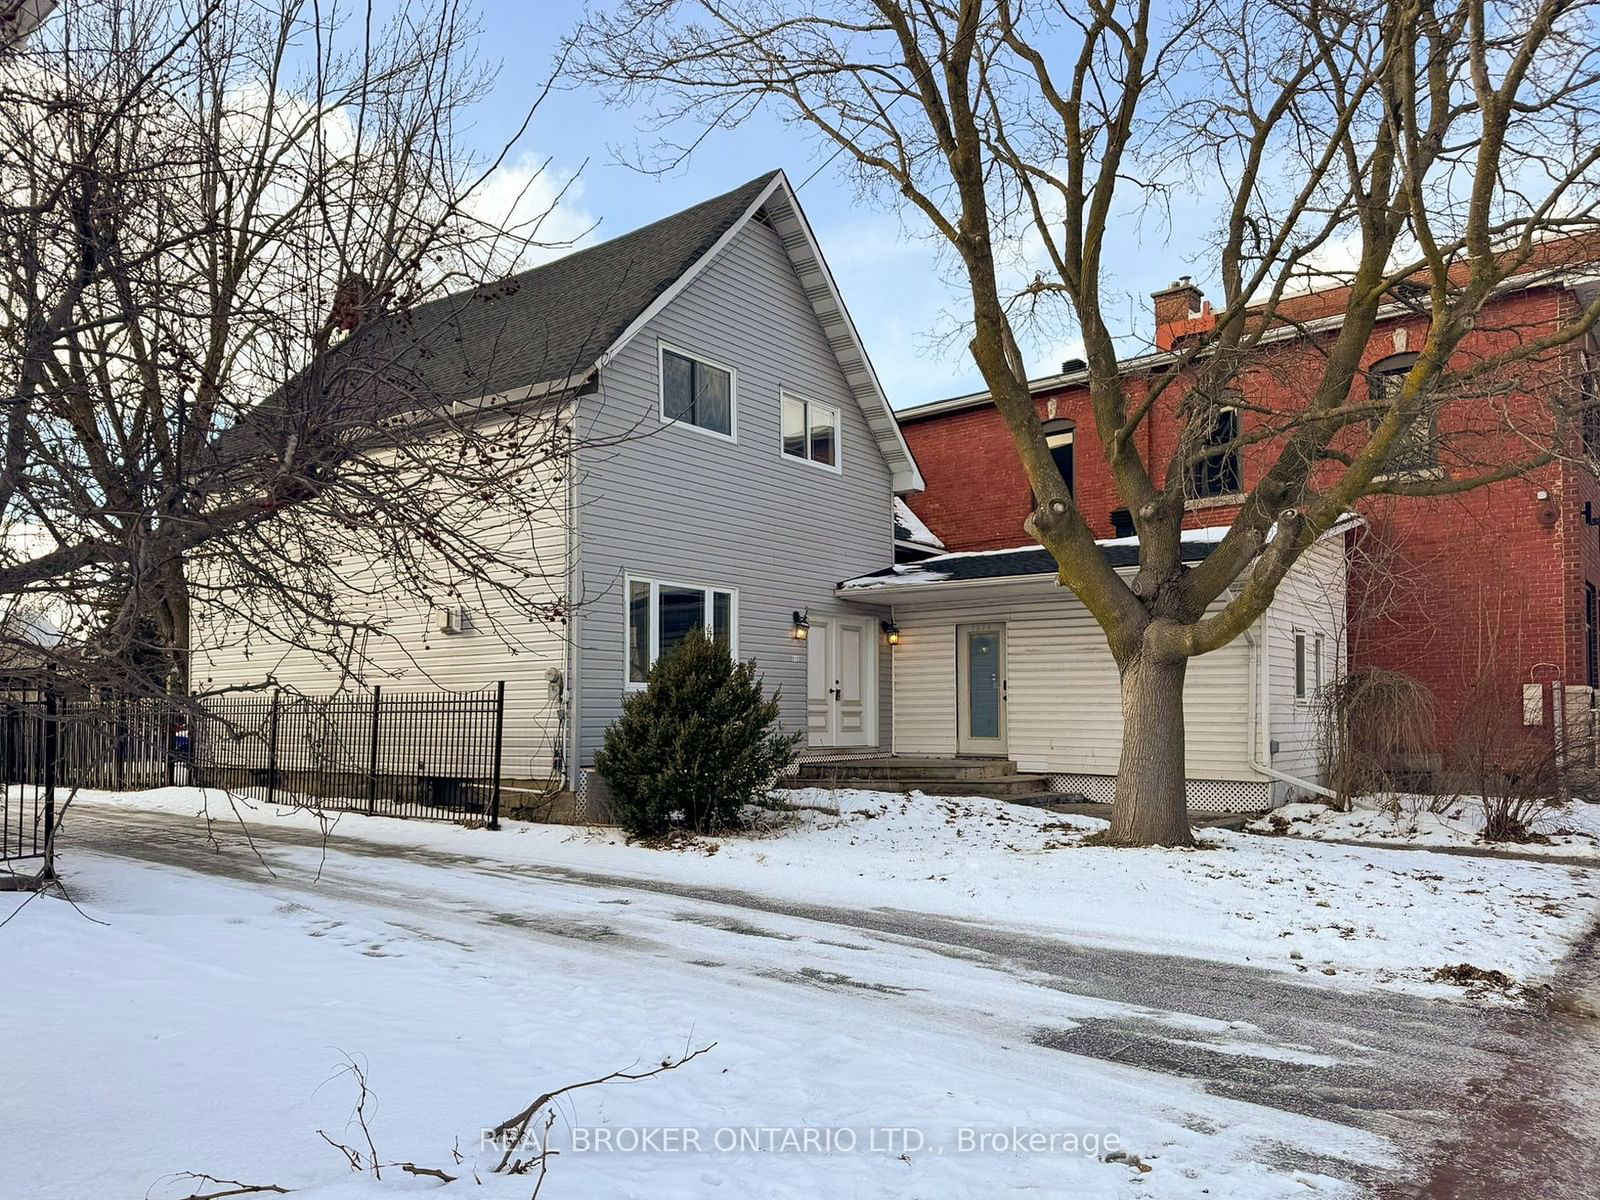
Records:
x=228, y=987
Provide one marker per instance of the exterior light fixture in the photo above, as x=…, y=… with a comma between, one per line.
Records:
x=802, y=624
x=891, y=632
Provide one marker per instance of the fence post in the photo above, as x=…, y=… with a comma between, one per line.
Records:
x=272, y=749
x=52, y=750
x=499, y=735
x=372, y=753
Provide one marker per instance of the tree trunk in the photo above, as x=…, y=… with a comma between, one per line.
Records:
x=1150, y=808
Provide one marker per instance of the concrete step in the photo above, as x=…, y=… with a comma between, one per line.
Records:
x=998, y=787
x=907, y=768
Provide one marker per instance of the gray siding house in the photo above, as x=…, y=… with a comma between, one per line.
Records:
x=735, y=458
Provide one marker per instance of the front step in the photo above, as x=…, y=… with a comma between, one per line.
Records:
x=891, y=769
x=999, y=787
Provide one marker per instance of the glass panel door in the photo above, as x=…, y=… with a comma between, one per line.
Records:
x=981, y=687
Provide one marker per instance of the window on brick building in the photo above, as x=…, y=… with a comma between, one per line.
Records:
x=1418, y=448
x=1591, y=637
x=1589, y=411
x=1059, y=436
x=1218, y=472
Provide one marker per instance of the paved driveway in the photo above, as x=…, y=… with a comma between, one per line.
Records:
x=1484, y=1102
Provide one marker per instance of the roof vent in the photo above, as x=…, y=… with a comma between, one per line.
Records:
x=1069, y=365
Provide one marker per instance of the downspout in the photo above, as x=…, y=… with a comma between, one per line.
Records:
x=1260, y=709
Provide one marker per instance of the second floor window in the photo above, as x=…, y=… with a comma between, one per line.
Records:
x=1417, y=449
x=1217, y=472
x=696, y=392
x=1058, y=435
x=811, y=431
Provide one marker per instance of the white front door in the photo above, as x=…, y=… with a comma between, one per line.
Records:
x=980, y=689
x=841, y=678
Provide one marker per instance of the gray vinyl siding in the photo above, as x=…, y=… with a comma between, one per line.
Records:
x=675, y=504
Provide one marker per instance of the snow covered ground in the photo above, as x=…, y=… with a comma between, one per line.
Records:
x=195, y=1010
x=196, y=1018
x=1572, y=831
x=1346, y=916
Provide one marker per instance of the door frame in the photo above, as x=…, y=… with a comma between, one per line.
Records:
x=965, y=742
x=828, y=626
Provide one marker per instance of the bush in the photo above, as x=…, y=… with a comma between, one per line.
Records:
x=697, y=745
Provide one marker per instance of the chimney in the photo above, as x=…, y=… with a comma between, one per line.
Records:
x=1180, y=310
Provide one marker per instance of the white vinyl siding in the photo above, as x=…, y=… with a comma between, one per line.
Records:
x=1310, y=602
x=1064, y=713
x=501, y=640
x=1063, y=704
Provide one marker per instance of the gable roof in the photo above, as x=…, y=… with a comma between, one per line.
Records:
x=547, y=329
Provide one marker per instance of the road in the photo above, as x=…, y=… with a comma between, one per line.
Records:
x=1483, y=1101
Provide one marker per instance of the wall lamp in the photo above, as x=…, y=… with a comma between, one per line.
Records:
x=802, y=624
x=891, y=632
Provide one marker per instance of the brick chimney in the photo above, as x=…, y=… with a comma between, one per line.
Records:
x=1181, y=310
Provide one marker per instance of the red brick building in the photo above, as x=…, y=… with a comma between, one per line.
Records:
x=1494, y=586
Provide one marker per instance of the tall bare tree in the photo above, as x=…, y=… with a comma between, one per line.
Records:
x=224, y=368
x=1432, y=152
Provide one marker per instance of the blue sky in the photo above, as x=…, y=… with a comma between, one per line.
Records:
x=889, y=275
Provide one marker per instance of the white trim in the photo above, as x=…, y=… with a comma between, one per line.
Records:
x=663, y=348
x=628, y=580
x=1300, y=664
x=806, y=405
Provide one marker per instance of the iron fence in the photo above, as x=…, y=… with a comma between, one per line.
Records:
x=407, y=754
x=410, y=754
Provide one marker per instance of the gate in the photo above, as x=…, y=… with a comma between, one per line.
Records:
x=29, y=755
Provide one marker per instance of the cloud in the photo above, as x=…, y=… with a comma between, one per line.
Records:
x=539, y=206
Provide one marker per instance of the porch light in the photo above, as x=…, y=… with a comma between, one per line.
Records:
x=802, y=624
x=891, y=633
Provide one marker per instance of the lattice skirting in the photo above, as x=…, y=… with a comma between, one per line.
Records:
x=1205, y=795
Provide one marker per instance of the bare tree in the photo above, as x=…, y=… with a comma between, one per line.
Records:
x=1396, y=152
x=237, y=244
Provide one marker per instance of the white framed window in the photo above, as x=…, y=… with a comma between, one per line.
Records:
x=1316, y=664
x=1302, y=667
x=698, y=393
x=661, y=614
x=811, y=431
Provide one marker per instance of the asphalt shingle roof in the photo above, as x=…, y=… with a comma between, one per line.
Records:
x=1005, y=564
x=554, y=321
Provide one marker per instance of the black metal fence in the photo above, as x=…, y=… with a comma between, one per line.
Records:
x=432, y=755
x=407, y=754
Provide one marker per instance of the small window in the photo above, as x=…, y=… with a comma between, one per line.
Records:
x=1059, y=436
x=662, y=615
x=811, y=431
x=698, y=393
x=1316, y=664
x=1302, y=688
x=1417, y=451
x=1589, y=412
x=1217, y=473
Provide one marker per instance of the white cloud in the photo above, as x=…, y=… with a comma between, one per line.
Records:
x=540, y=207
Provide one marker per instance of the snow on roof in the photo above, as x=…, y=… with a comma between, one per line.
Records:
x=908, y=527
